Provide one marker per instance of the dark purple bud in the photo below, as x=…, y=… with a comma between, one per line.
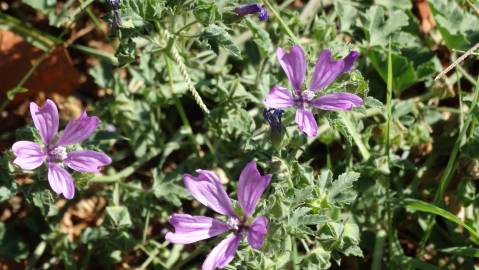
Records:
x=114, y=4
x=273, y=117
x=251, y=9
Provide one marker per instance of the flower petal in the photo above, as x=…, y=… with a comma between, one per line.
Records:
x=29, y=155
x=87, y=161
x=79, y=129
x=279, y=97
x=306, y=122
x=61, y=181
x=223, y=253
x=337, y=101
x=190, y=229
x=207, y=189
x=250, y=187
x=45, y=119
x=327, y=69
x=294, y=65
x=257, y=232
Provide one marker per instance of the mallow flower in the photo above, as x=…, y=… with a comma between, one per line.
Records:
x=54, y=153
x=326, y=71
x=207, y=189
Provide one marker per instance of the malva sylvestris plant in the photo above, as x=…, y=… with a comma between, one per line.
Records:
x=207, y=189
x=326, y=71
x=30, y=155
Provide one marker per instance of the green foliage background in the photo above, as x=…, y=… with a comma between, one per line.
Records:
x=363, y=194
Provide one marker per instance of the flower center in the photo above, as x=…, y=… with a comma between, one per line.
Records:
x=233, y=223
x=308, y=95
x=59, y=153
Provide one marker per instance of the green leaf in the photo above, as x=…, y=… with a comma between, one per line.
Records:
x=432, y=209
x=5, y=194
x=217, y=36
x=260, y=36
x=403, y=69
x=395, y=4
x=17, y=90
x=418, y=264
x=457, y=26
x=462, y=251
x=140, y=12
x=117, y=217
x=371, y=102
x=378, y=29
x=44, y=6
x=312, y=219
x=336, y=122
x=167, y=190
x=301, y=195
x=297, y=215
x=348, y=14
x=206, y=13
x=45, y=201
x=341, y=191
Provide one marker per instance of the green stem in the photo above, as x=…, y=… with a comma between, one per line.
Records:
x=281, y=21
x=466, y=74
x=185, y=27
x=461, y=106
x=147, y=222
x=294, y=255
x=25, y=78
x=447, y=175
x=378, y=250
x=389, y=213
x=95, y=20
x=105, y=179
x=363, y=150
x=190, y=257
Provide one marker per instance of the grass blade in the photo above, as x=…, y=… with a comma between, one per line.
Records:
x=432, y=209
x=462, y=251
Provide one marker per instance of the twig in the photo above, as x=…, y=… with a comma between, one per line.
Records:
x=459, y=60
x=473, y=7
x=461, y=51
x=310, y=11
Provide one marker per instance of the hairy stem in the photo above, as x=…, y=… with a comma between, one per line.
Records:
x=181, y=65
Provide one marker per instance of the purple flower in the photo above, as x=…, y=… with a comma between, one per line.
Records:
x=30, y=155
x=251, y=9
x=207, y=189
x=325, y=72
